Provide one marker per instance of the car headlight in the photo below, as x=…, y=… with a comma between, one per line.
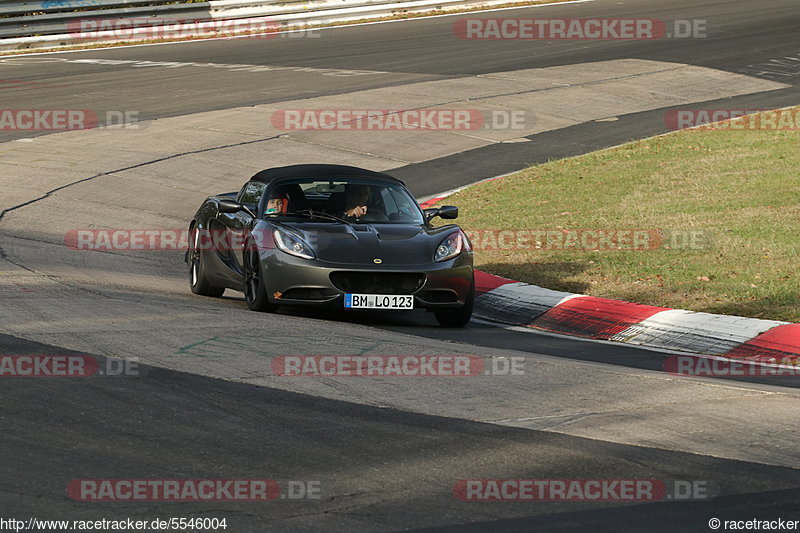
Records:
x=292, y=245
x=450, y=247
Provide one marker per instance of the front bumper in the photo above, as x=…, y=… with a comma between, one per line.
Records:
x=292, y=280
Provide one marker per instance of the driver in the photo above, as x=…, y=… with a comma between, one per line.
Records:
x=356, y=203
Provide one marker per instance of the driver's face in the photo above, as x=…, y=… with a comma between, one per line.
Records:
x=357, y=195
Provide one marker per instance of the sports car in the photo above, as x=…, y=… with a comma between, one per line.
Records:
x=335, y=236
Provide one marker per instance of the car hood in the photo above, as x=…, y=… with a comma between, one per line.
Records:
x=363, y=244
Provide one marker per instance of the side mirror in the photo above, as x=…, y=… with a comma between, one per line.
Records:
x=232, y=206
x=448, y=212
x=229, y=206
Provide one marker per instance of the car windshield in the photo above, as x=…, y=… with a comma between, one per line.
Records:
x=341, y=200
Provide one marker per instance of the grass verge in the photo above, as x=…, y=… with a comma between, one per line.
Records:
x=725, y=204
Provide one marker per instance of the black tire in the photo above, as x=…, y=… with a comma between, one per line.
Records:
x=197, y=272
x=255, y=294
x=457, y=318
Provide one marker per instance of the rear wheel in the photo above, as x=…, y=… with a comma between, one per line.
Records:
x=456, y=318
x=255, y=293
x=197, y=272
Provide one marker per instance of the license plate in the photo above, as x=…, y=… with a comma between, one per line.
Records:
x=378, y=301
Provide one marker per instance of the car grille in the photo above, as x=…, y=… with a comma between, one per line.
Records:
x=378, y=282
x=302, y=293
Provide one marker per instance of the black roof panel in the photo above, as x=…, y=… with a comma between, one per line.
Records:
x=320, y=171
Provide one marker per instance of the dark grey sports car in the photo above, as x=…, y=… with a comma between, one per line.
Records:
x=331, y=235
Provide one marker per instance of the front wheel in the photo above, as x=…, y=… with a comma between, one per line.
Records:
x=197, y=272
x=457, y=318
x=255, y=293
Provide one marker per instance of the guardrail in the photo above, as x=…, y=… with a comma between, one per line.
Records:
x=39, y=24
x=47, y=6
x=55, y=23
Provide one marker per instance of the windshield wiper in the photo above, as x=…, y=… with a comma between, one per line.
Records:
x=310, y=213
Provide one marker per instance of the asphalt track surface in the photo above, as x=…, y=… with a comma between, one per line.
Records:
x=740, y=38
x=386, y=454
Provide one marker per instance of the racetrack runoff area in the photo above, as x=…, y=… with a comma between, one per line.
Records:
x=702, y=219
